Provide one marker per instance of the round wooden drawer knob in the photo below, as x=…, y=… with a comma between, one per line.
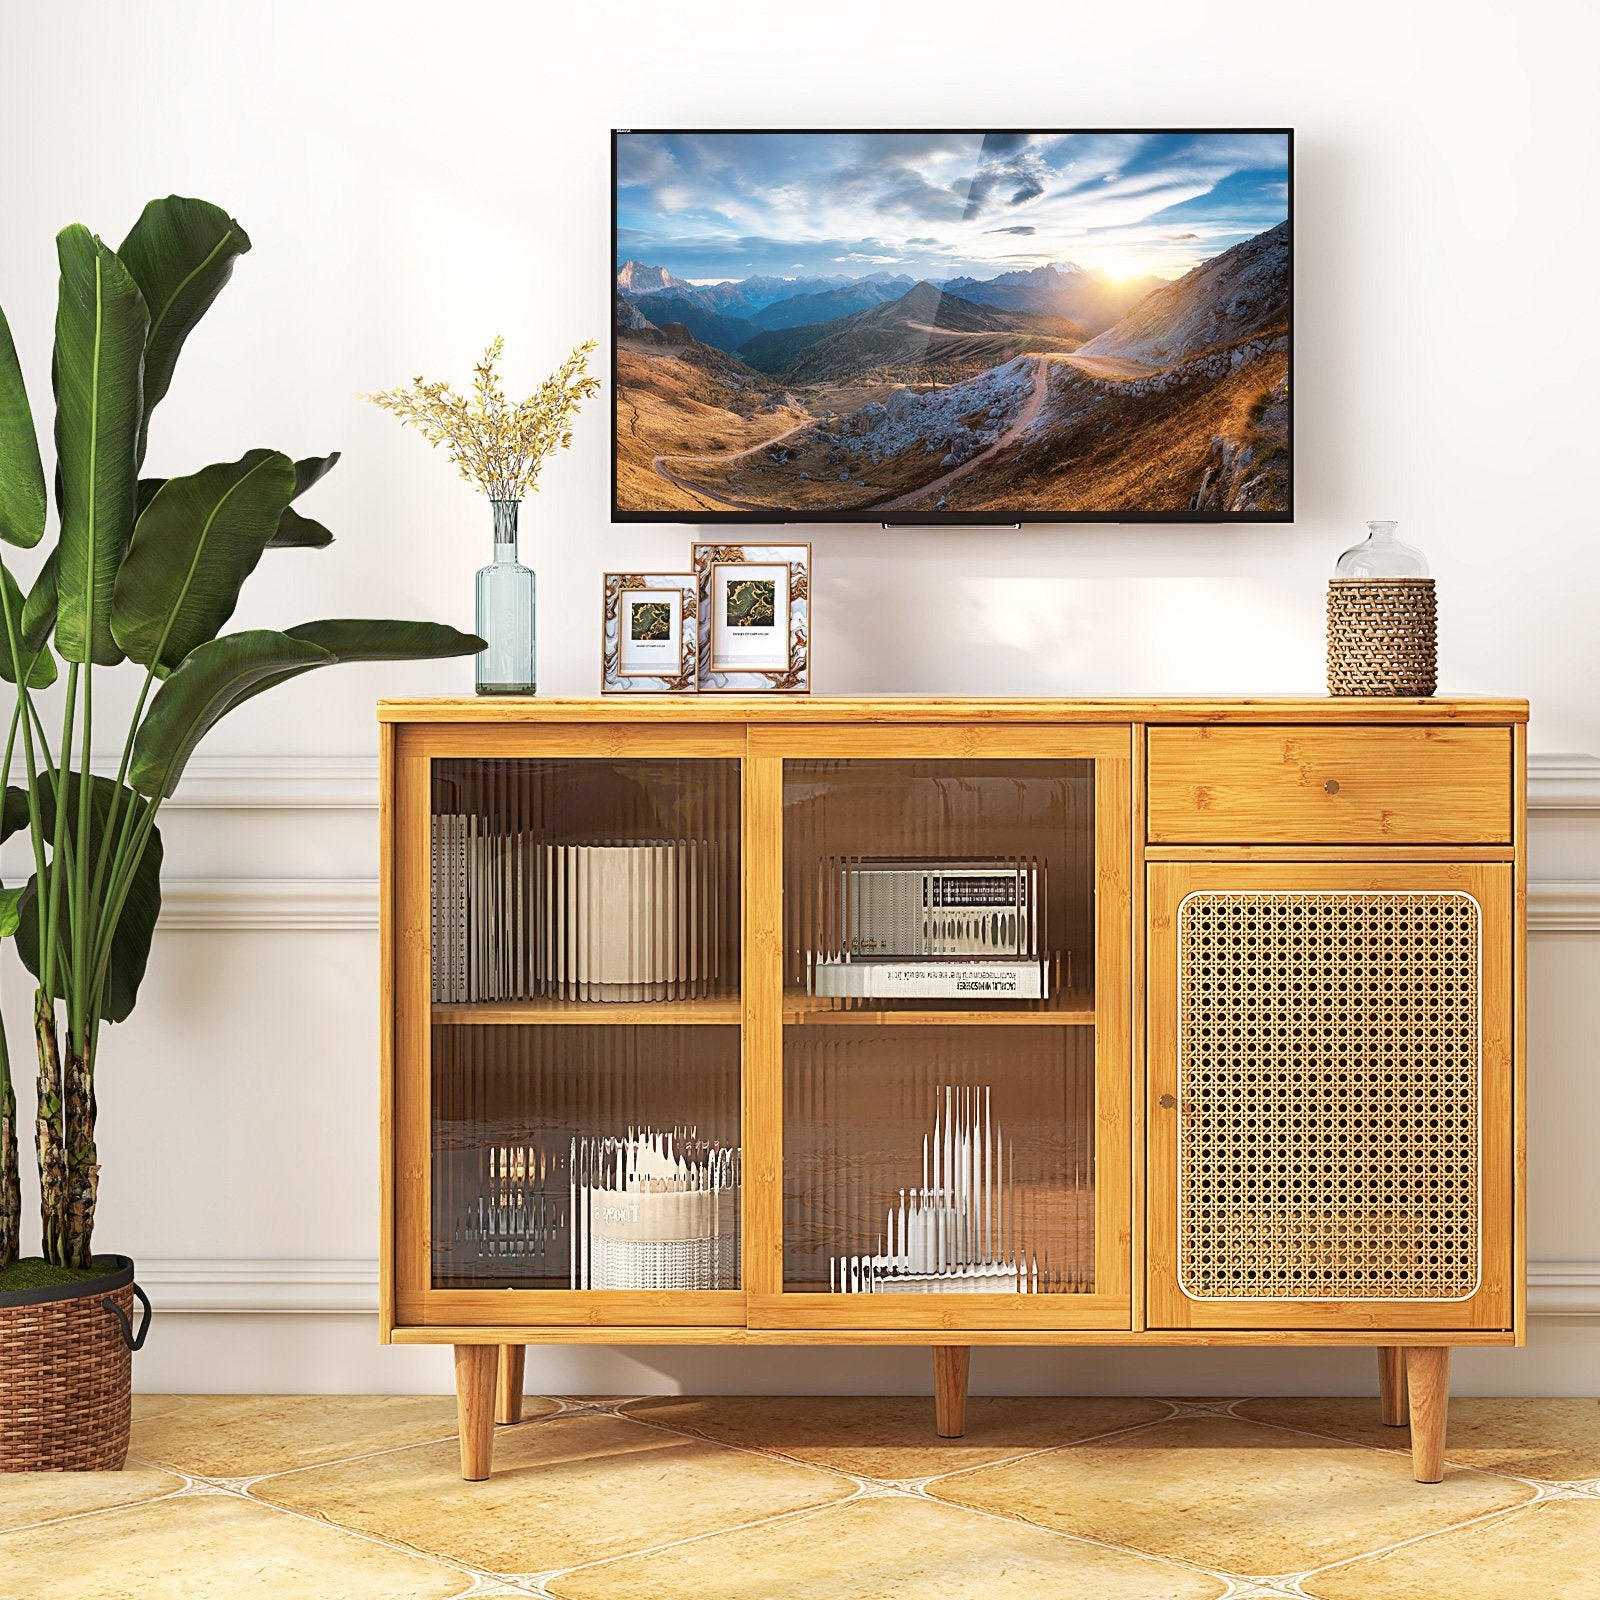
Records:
x=1331, y=786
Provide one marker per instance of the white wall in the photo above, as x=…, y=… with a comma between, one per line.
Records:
x=417, y=178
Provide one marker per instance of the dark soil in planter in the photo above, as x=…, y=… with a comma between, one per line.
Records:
x=34, y=1272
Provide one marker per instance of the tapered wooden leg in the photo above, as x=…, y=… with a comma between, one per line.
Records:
x=508, y=1383
x=950, y=1364
x=1428, y=1384
x=475, y=1371
x=1392, y=1384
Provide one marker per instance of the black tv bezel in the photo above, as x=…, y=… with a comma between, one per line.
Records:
x=958, y=519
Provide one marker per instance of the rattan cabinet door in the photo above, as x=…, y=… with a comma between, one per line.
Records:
x=1330, y=1080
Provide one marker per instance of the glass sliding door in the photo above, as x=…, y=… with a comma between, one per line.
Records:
x=953, y=1052
x=581, y=1083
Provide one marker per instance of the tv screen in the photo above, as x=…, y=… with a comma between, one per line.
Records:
x=925, y=327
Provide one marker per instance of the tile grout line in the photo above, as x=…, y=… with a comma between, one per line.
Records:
x=753, y=1450
x=864, y=1491
x=1044, y=1450
x=1015, y=1520
x=437, y=1558
x=251, y=1479
x=935, y=1477
x=1499, y=1513
x=1400, y=1450
x=101, y=1511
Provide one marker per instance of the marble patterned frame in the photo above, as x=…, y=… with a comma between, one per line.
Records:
x=796, y=678
x=612, y=679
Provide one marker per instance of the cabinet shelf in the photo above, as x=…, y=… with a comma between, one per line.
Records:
x=712, y=1011
x=807, y=1012
x=1068, y=1011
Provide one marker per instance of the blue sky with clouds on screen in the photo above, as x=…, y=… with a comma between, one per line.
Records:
x=709, y=206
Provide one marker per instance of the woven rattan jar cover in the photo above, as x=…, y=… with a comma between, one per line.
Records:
x=1382, y=636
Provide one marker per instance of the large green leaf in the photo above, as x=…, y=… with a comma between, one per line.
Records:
x=311, y=471
x=43, y=671
x=208, y=684
x=22, y=496
x=13, y=819
x=181, y=253
x=218, y=676
x=295, y=532
x=378, y=639
x=39, y=609
x=299, y=533
x=100, y=332
x=14, y=812
x=192, y=549
x=136, y=926
x=381, y=639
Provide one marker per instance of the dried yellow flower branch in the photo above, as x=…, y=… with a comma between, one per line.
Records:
x=497, y=445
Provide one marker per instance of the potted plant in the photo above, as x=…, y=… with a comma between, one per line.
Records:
x=144, y=574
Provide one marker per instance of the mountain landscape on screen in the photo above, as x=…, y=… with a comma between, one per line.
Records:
x=1005, y=325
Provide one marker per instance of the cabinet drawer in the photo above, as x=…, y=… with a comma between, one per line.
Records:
x=1309, y=785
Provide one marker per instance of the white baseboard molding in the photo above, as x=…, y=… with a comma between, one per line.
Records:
x=350, y=1288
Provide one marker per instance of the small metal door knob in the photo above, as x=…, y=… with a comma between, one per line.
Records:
x=1331, y=786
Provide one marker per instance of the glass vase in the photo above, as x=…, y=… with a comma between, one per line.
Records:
x=1381, y=555
x=506, y=597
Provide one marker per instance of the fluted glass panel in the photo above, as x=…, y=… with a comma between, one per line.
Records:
x=939, y=1052
x=939, y=884
x=927, y=1160
x=585, y=881
x=585, y=1040
x=574, y=1157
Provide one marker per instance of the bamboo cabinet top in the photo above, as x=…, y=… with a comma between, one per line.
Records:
x=783, y=708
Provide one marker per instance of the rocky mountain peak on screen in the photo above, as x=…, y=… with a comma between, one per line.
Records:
x=1241, y=292
x=636, y=277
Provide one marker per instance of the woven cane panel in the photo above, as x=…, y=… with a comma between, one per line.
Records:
x=1328, y=1096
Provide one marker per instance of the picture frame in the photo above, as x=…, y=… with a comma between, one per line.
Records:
x=754, y=605
x=650, y=630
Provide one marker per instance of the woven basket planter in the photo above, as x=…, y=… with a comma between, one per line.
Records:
x=66, y=1372
x=1382, y=636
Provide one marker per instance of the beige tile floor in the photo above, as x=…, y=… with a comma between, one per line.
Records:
x=317, y=1498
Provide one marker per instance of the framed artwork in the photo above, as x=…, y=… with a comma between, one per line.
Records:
x=651, y=629
x=754, y=603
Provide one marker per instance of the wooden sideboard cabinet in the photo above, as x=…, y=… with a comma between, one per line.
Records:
x=768, y=1021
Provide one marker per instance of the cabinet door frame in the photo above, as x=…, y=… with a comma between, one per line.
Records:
x=407, y=1295
x=771, y=1306
x=1491, y=885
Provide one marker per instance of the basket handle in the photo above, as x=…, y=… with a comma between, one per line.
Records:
x=134, y=1341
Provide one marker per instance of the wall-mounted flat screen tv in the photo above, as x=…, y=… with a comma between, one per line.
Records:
x=967, y=327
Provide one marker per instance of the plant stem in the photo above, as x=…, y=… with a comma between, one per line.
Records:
x=115, y=841
x=48, y=1130
x=83, y=1162
x=10, y=1177
x=48, y=947
x=81, y=1002
x=121, y=885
